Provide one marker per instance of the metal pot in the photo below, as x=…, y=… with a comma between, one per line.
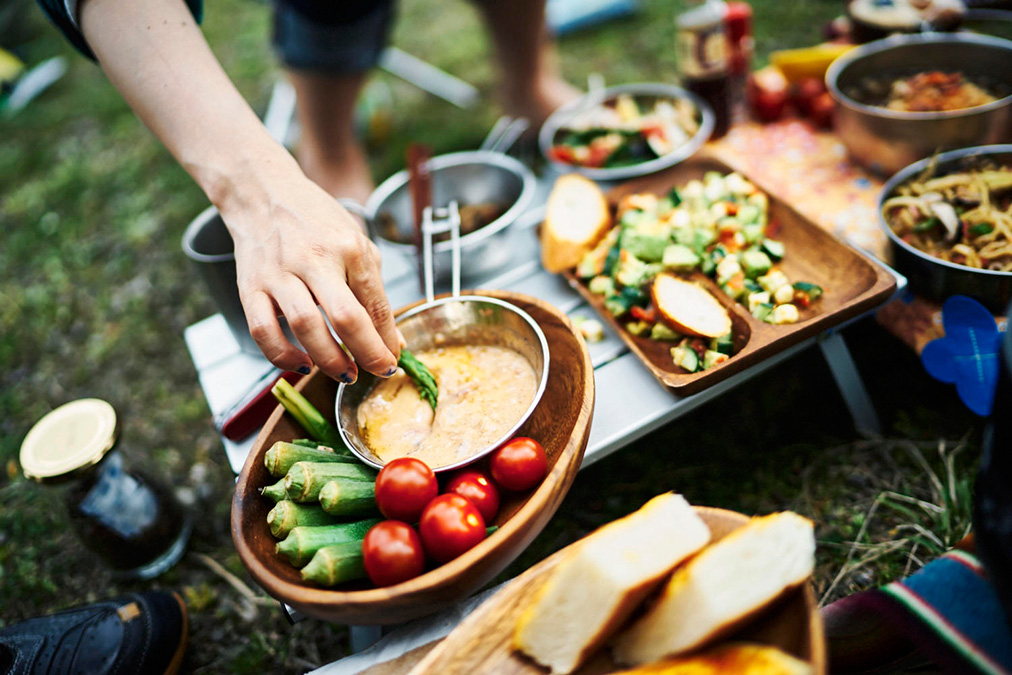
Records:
x=473, y=177
x=933, y=277
x=887, y=140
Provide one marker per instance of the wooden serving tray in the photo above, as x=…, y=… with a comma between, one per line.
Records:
x=852, y=284
x=561, y=423
x=482, y=642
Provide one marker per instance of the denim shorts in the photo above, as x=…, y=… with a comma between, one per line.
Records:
x=347, y=40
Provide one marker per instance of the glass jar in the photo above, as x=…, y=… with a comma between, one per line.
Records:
x=133, y=523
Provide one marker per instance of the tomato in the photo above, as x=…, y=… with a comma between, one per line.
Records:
x=648, y=314
x=392, y=552
x=403, y=488
x=477, y=488
x=821, y=110
x=767, y=94
x=520, y=464
x=807, y=90
x=562, y=153
x=450, y=525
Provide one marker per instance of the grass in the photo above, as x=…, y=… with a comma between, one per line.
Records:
x=95, y=294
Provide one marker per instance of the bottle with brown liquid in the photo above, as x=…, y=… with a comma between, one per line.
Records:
x=703, y=60
x=132, y=522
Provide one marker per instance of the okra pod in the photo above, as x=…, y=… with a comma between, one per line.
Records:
x=304, y=480
x=315, y=424
x=287, y=515
x=281, y=456
x=302, y=543
x=276, y=491
x=345, y=497
x=336, y=564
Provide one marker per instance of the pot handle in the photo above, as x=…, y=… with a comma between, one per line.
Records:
x=356, y=209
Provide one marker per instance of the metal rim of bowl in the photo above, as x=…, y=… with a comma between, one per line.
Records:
x=439, y=162
x=542, y=384
x=837, y=67
x=556, y=120
x=912, y=170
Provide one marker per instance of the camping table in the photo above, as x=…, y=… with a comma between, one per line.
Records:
x=629, y=401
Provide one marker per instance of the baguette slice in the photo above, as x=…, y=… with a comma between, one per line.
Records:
x=721, y=587
x=689, y=308
x=597, y=586
x=740, y=658
x=576, y=219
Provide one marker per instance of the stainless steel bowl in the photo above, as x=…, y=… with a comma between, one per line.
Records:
x=933, y=277
x=887, y=140
x=450, y=321
x=474, y=177
x=563, y=115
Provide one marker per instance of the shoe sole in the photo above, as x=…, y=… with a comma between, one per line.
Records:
x=177, y=657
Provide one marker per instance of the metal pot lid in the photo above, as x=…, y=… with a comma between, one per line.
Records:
x=72, y=437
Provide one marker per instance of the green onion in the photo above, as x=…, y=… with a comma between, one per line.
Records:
x=925, y=225
x=981, y=229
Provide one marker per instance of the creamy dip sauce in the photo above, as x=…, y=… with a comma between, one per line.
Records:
x=483, y=391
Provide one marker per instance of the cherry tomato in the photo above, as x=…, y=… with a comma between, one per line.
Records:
x=392, y=552
x=767, y=94
x=520, y=464
x=404, y=487
x=807, y=90
x=449, y=526
x=477, y=488
x=821, y=110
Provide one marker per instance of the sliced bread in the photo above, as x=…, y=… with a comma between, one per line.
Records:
x=721, y=587
x=738, y=658
x=576, y=218
x=688, y=307
x=604, y=578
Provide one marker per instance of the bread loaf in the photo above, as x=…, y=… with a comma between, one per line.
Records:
x=603, y=579
x=689, y=308
x=721, y=587
x=576, y=218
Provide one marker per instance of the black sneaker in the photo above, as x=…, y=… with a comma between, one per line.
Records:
x=135, y=633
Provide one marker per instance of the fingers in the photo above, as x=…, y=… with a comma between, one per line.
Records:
x=366, y=284
x=309, y=326
x=261, y=316
x=358, y=329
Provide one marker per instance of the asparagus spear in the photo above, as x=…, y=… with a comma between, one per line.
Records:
x=281, y=456
x=302, y=543
x=304, y=480
x=306, y=415
x=276, y=491
x=287, y=515
x=421, y=375
x=342, y=497
x=336, y=564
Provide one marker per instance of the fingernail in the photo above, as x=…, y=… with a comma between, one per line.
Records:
x=347, y=379
x=304, y=370
x=390, y=372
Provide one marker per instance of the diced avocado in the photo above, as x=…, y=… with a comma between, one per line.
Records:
x=774, y=249
x=648, y=247
x=602, y=285
x=663, y=332
x=679, y=257
x=763, y=311
x=665, y=206
x=729, y=224
x=723, y=344
x=755, y=263
x=752, y=287
x=631, y=271
x=752, y=232
x=686, y=236
x=633, y=217
x=749, y=213
x=702, y=238
x=685, y=357
x=712, y=358
x=593, y=261
x=638, y=328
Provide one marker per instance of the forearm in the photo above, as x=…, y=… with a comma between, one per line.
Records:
x=155, y=55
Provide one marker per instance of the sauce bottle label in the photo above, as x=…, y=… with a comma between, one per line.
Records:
x=702, y=53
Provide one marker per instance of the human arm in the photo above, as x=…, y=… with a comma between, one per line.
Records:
x=295, y=246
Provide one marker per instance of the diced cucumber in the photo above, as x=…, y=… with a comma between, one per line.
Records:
x=752, y=287
x=707, y=266
x=679, y=257
x=752, y=232
x=712, y=358
x=675, y=196
x=774, y=249
x=724, y=344
x=686, y=236
x=755, y=263
x=664, y=333
x=813, y=291
x=647, y=246
x=755, y=300
x=638, y=328
x=749, y=213
x=602, y=285
x=729, y=224
x=763, y=311
x=702, y=238
x=621, y=302
x=685, y=357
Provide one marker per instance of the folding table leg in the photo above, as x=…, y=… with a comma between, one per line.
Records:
x=363, y=637
x=841, y=365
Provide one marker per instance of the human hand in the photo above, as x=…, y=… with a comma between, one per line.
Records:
x=297, y=249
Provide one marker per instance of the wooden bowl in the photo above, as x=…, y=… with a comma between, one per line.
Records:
x=561, y=423
x=482, y=642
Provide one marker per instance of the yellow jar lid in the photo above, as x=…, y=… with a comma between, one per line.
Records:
x=74, y=436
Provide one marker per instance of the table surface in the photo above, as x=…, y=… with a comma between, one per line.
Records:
x=629, y=401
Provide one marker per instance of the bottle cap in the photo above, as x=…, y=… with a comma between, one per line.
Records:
x=75, y=436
